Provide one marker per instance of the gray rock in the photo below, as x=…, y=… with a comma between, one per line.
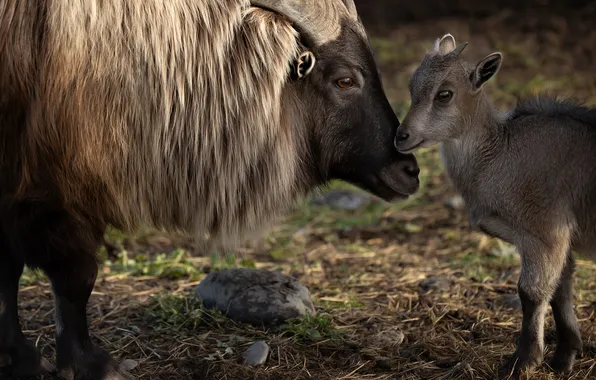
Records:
x=512, y=301
x=128, y=365
x=255, y=296
x=256, y=354
x=342, y=199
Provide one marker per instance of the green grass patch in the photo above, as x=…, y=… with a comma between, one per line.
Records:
x=32, y=276
x=173, y=266
x=350, y=303
x=228, y=261
x=314, y=328
x=179, y=312
x=585, y=279
x=484, y=267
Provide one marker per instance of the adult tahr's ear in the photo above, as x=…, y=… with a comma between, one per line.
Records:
x=303, y=65
x=444, y=44
x=485, y=69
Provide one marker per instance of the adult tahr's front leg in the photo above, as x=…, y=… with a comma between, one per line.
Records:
x=72, y=283
x=569, y=341
x=77, y=358
x=65, y=249
x=542, y=263
x=18, y=356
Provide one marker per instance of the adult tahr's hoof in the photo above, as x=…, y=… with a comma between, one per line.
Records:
x=24, y=361
x=517, y=363
x=94, y=364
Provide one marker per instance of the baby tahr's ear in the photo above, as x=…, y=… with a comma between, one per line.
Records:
x=486, y=69
x=303, y=65
x=445, y=44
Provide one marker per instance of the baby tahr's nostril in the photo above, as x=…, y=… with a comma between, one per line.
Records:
x=401, y=136
x=412, y=170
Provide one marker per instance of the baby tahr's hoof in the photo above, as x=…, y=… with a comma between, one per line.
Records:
x=562, y=362
x=517, y=363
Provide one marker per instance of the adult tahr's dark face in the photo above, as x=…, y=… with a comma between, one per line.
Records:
x=354, y=124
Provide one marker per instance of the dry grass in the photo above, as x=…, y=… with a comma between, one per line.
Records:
x=368, y=270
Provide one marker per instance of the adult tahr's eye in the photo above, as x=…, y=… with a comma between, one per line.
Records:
x=444, y=96
x=345, y=83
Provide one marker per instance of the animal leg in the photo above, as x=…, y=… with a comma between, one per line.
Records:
x=77, y=358
x=569, y=342
x=18, y=356
x=64, y=248
x=543, y=261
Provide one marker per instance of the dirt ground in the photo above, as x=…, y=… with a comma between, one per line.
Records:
x=405, y=291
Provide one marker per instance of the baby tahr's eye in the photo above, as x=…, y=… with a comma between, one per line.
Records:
x=444, y=96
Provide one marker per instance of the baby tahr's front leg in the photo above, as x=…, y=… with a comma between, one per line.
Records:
x=543, y=260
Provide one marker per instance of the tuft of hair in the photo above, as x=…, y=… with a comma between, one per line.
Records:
x=554, y=106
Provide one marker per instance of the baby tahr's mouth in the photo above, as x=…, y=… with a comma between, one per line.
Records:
x=407, y=150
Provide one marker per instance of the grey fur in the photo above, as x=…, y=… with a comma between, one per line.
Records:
x=527, y=176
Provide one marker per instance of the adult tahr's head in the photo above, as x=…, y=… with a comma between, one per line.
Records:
x=337, y=81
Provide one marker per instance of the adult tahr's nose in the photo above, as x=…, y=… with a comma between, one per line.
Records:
x=409, y=174
x=412, y=170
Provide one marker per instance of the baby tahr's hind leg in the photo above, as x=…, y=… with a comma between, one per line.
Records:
x=543, y=260
x=569, y=341
x=19, y=356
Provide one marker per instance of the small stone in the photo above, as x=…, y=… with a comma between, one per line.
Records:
x=387, y=338
x=512, y=301
x=256, y=354
x=435, y=283
x=342, y=199
x=255, y=296
x=128, y=365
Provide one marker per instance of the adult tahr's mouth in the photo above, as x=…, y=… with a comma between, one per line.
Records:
x=389, y=189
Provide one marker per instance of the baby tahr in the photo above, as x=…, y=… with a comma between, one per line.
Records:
x=527, y=176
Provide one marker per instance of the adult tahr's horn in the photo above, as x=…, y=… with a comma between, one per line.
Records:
x=351, y=8
x=319, y=20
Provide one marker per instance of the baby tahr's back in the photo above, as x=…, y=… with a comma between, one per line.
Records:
x=552, y=144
